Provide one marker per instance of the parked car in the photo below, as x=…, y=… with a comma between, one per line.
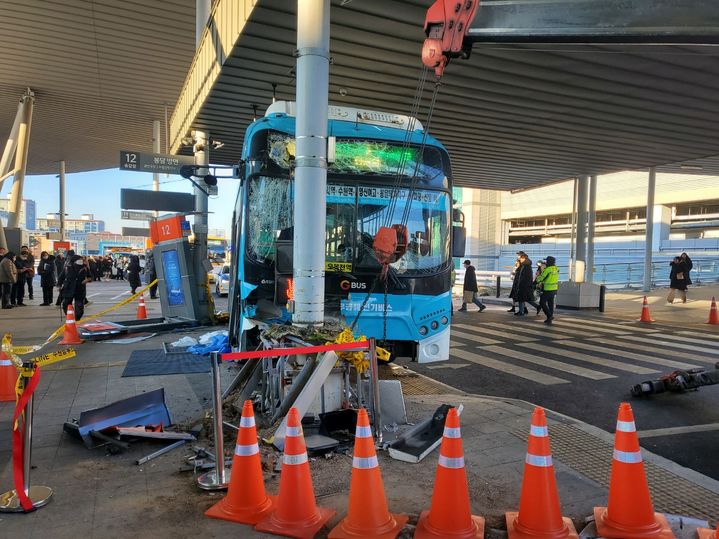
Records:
x=213, y=273
x=222, y=281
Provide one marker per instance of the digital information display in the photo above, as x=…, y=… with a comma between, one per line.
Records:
x=173, y=278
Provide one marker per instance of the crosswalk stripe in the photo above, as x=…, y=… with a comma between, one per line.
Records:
x=562, y=323
x=659, y=342
x=547, y=332
x=509, y=368
x=652, y=349
x=472, y=337
x=126, y=293
x=583, y=321
x=455, y=344
x=631, y=355
x=590, y=359
x=682, y=338
x=550, y=363
x=505, y=334
x=711, y=336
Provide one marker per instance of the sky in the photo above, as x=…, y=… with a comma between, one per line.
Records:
x=98, y=192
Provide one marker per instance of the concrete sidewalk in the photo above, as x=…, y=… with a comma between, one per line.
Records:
x=98, y=495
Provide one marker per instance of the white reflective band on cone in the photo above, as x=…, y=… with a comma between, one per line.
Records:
x=294, y=459
x=293, y=431
x=365, y=463
x=246, y=450
x=454, y=463
x=538, y=432
x=247, y=421
x=628, y=457
x=539, y=460
x=363, y=432
x=69, y=321
x=452, y=432
x=5, y=363
x=626, y=426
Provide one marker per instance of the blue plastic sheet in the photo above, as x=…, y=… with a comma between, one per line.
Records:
x=218, y=343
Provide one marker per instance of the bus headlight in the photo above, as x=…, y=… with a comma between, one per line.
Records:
x=434, y=324
x=423, y=330
x=444, y=320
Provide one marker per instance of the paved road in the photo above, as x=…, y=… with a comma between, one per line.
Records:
x=584, y=365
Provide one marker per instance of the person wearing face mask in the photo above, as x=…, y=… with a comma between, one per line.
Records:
x=8, y=276
x=74, y=288
x=46, y=270
x=28, y=262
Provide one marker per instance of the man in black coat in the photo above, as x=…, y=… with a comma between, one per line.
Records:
x=470, y=288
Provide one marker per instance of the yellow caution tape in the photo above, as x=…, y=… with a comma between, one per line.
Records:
x=53, y=357
x=22, y=350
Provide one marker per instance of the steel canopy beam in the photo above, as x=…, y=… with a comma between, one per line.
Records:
x=596, y=22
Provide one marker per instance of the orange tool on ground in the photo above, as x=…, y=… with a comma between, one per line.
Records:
x=246, y=501
x=539, y=513
x=368, y=515
x=295, y=513
x=450, y=514
x=630, y=512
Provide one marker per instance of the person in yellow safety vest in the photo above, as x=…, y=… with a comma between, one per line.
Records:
x=549, y=282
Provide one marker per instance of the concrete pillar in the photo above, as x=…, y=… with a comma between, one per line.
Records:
x=485, y=233
x=310, y=205
x=202, y=13
x=570, y=264
x=662, y=224
x=156, y=139
x=590, y=228
x=581, y=246
x=649, y=238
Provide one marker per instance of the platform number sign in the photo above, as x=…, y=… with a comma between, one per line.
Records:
x=129, y=160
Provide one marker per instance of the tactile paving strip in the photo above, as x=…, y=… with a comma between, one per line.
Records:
x=592, y=457
x=413, y=383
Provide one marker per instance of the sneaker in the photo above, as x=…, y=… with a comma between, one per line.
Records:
x=482, y=307
x=44, y=304
x=8, y=307
x=30, y=297
x=548, y=321
x=519, y=314
x=463, y=310
x=510, y=310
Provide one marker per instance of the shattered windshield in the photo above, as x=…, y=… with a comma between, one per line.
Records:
x=354, y=215
x=365, y=157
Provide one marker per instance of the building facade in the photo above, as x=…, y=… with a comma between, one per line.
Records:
x=85, y=224
x=27, y=212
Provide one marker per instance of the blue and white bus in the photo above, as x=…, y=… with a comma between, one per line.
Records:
x=361, y=191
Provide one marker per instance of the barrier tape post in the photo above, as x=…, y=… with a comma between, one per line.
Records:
x=219, y=478
x=35, y=496
x=374, y=390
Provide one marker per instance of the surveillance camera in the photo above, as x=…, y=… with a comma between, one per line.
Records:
x=216, y=144
x=187, y=141
x=343, y=92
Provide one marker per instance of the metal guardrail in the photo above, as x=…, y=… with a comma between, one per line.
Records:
x=614, y=275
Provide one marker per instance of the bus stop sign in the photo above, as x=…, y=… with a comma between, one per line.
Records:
x=154, y=162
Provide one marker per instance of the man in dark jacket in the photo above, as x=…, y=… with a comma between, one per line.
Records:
x=46, y=270
x=525, y=285
x=8, y=276
x=59, y=275
x=133, y=273
x=151, y=273
x=28, y=262
x=74, y=286
x=470, y=288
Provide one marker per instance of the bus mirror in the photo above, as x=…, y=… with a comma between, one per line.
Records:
x=459, y=241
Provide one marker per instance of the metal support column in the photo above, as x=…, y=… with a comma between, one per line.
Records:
x=62, y=199
x=590, y=228
x=571, y=235
x=23, y=144
x=11, y=144
x=202, y=158
x=581, y=238
x=156, y=139
x=310, y=208
x=649, y=237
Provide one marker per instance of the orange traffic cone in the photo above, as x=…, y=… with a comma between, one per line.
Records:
x=368, y=515
x=450, y=514
x=629, y=513
x=246, y=500
x=295, y=513
x=713, y=314
x=646, y=317
x=141, y=310
x=539, y=511
x=70, y=336
x=704, y=533
x=8, y=374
